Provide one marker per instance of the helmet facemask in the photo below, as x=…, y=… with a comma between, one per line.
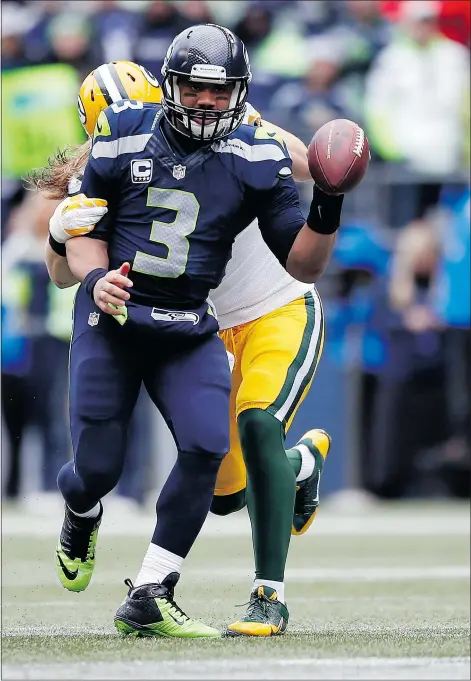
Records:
x=213, y=124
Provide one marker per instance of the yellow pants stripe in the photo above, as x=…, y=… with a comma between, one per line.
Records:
x=302, y=368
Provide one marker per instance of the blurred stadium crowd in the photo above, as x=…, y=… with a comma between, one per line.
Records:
x=397, y=293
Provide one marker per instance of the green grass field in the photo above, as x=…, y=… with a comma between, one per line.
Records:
x=382, y=593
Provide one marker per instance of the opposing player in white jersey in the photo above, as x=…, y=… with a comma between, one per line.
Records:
x=273, y=326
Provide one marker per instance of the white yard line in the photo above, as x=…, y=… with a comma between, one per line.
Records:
x=376, y=522
x=300, y=668
x=358, y=574
x=22, y=576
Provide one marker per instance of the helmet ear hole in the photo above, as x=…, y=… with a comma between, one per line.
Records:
x=131, y=77
x=92, y=96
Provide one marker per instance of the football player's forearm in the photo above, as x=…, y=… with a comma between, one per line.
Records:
x=297, y=150
x=309, y=255
x=58, y=269
x=85, y=255
x=312, y=248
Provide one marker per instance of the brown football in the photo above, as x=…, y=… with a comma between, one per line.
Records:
x=338, y=156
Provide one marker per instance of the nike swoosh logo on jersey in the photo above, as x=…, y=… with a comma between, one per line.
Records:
x=70, y=575
x=179, y=622
x=99, y=127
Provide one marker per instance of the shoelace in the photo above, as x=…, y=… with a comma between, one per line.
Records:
x=175, y=606
x=259, y=605
x=90, y=547
x=80, y=540
x=300, y=505
x=168, y=597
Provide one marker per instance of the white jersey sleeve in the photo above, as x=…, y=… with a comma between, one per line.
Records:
x=255, y=283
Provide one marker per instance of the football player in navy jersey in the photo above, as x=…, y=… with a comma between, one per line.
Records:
x=181, y=182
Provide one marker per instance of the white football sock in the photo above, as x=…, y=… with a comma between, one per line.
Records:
x=92, y=513
x=157, y=564
x=278, y=586
x=307, y=462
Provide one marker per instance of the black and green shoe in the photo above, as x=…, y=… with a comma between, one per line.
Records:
x=75, y=552
x=265, y=616
x=149, y=610
x=307, y=492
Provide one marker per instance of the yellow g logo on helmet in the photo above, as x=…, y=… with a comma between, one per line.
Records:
x=148, y=76
x=113, y=82
x=81, y=111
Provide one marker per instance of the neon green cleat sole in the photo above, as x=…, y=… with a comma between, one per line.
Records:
x=149, y=610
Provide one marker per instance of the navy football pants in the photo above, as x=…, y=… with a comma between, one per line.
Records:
x=190, y=385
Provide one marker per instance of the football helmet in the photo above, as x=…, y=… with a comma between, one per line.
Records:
x=206, y=53
x=114, y=82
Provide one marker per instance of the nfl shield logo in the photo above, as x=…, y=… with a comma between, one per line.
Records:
x=179, y=172
x=93, y=318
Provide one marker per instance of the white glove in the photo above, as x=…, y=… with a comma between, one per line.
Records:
x=76, y=216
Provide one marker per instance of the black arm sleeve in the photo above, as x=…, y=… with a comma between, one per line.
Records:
x=279, y=217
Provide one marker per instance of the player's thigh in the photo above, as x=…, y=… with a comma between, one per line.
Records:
x=104, y=376
x=280, y=357
x=232, y=476
x=191, y=390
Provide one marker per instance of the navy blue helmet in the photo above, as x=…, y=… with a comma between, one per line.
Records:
x=206, y=53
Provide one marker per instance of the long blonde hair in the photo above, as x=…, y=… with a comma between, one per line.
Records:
x=53, y=179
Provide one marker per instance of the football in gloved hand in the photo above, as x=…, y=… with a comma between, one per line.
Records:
x=338, y=156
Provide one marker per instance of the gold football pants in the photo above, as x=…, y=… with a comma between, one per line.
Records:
x=276, y=357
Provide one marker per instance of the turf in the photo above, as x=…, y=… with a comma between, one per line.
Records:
x=400, y=595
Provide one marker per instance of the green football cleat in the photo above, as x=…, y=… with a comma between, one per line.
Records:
x=307, y=491
x=149, y=610
x=75, y=552
x=266, y=615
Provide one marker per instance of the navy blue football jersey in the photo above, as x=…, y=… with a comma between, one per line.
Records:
x=174, y=216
